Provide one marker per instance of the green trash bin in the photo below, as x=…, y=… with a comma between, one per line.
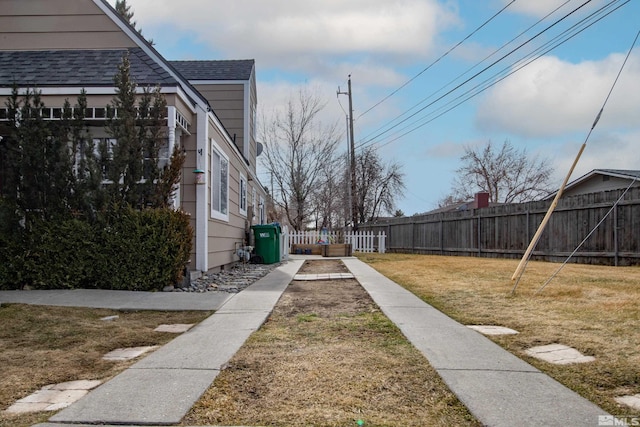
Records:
x=267, y=241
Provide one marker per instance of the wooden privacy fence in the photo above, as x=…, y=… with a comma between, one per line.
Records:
x=505, y=230
x=361, y=241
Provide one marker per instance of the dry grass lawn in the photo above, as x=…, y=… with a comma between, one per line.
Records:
x=328, y=357
x=48, y=345
x=594, y=309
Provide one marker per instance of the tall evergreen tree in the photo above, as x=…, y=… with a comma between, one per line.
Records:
x=133, y=168
x=86, y=196
x=125, y=11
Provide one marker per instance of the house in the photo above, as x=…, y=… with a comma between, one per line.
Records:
x=61, y=47
x=601, y=180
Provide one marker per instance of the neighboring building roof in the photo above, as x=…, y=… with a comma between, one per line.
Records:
x=78, y=68
x=614, y=173
x=619, y=173
x=215, y=70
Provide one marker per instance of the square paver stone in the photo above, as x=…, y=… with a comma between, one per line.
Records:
x=492, y=330
x=559, y=354
x=631, y=401
x=176, y=328
x=53, y=397
x=127, y=353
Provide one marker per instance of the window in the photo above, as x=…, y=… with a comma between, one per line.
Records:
x=219, y=183
x=242, y=194
x=103, y=151
x=263, y=211
x=254, y=204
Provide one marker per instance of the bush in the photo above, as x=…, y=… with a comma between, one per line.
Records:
x=143, y=250
x=11, y=247
x=125, y=249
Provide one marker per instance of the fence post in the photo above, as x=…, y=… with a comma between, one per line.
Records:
x=381, y=242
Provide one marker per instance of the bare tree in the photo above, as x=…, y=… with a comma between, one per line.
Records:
x=377, y=185
x=328, y=199
x=508, y=175
x=298, y=146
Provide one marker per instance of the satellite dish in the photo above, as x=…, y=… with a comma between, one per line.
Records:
x=259, y=149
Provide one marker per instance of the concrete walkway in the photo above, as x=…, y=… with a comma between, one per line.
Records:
x=119, y=300
x=161, y=388
x=498, y=388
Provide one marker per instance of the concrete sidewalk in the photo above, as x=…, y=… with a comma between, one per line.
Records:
x=161, y=388
x=498, y=388
x=119, y=300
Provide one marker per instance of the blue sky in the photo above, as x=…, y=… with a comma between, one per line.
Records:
x=547, y=107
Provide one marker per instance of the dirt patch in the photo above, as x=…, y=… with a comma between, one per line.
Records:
x=323, y=266
x=328, y=357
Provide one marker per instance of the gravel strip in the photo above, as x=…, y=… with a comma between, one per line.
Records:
x=232, y=280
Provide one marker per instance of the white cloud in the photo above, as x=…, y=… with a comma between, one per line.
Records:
x=300, y=35
x=553, y=97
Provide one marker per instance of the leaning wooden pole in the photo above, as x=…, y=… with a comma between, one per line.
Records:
x=545, y=220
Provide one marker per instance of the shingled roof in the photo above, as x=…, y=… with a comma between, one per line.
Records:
x=215, y=70
x=78, y=68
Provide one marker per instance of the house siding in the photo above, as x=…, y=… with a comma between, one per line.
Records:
x=227, y=100
x=597, y=184
x=225, y=236
x=58, y=24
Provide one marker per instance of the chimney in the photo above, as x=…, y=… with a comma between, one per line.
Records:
x=481, y=200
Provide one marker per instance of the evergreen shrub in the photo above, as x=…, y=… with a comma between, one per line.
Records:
x=125, y=249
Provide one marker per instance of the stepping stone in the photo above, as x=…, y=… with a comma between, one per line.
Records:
x=492, y=330
x=631, y=401
x=74, y=385
x=53, y=397
x=559, y=354
x=176, y=328
x=120, y=354
x=324, y=276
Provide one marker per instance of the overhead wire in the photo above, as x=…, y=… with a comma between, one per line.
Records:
x=438, y=59
x=468, y=70
x=486, y=84
x=520, y=46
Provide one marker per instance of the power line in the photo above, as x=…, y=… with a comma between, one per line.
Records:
x=520, y=46
x=490, y=82
x=494, y=80
x=437, y=60
x=467, y=71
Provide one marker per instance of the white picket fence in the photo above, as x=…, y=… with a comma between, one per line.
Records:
x=361, y=241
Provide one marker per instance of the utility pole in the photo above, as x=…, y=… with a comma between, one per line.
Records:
x=352, y=158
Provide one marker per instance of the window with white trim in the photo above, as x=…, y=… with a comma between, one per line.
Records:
x=219, y=183
x=242, y=194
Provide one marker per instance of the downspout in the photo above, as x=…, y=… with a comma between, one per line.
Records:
x=202, y=214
